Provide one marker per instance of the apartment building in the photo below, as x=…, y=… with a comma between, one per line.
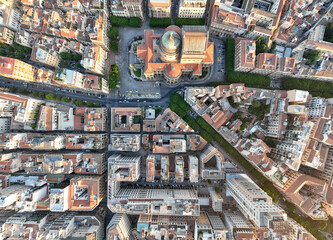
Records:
x=43, y=55
x=13, y=68
x=86, y=192
x=212, y=163
x=193, y=168
x=266, y=63
x=245, y=55
x=128, y=8
x=159, y=8
x=6, y=35
x=126, y=119
x=150, y=168
x=253, y=201
x=192, y=8
x=177, y=202
x=10, y=15
x=98, y=32
x=20, y=110
x=226, y=20
x=124, y=168
x=119, y=227
x=94, y=59
x=125, y=142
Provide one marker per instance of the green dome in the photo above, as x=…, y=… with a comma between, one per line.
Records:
x=170, y=41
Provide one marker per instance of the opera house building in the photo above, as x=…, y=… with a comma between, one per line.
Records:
x=177, y=52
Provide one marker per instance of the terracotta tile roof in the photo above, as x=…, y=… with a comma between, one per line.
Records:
x=14, y=98
x=247, y=53
x=287, y=64
x=7, y=65
x=267, y=61
x=172, y=70
x=229, y=18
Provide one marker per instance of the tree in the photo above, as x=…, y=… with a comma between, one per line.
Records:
x=78, y=65
x=114, y=46
x=230, y=54
x=66, y=55
x=123, y=21
x=65, y=99
x=90, y=104
x=315, y=87
x=13, y=89
x=118, y=21
x=160, y=22
x=261, y=45
x=134, y=22
x=113, y=77
x=113, y=33
x=77, y=57
x=63, y=63
x=50, y=96
x=312, y=57
x=35, y=94
x=256, y=104
x=79, y=103
x=41, y=95
x=23, y=91
x=273, y=46
x=58, y=98
x=33, y=125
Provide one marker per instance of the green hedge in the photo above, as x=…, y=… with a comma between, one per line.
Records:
x=160, y=22
x=123, y=21
x=205, y=135
x=114, y=33
x=192, y=123
x=249, y=79
x=177, y=109
x=114, y=46
x=230, y=54
x=189, y=21
x=113, y=76
x=176, y=98
x=315, y=87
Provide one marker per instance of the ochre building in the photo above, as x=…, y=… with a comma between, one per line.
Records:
x=176, y=53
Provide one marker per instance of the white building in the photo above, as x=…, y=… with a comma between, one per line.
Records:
x=119, y=227
x=124, y=168
x=192, y=8
x=128, y=8
x=59, y=198
x=5, y=123
x=212, y=163
x=193, y=168
x=253, y=201
x=159, y=8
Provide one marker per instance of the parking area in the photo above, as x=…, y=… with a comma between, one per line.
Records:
x=221, y=57
x=218, y=68
x=130, y=88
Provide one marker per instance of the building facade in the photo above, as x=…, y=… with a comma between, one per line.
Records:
x=128, y=8
x=192, y=8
